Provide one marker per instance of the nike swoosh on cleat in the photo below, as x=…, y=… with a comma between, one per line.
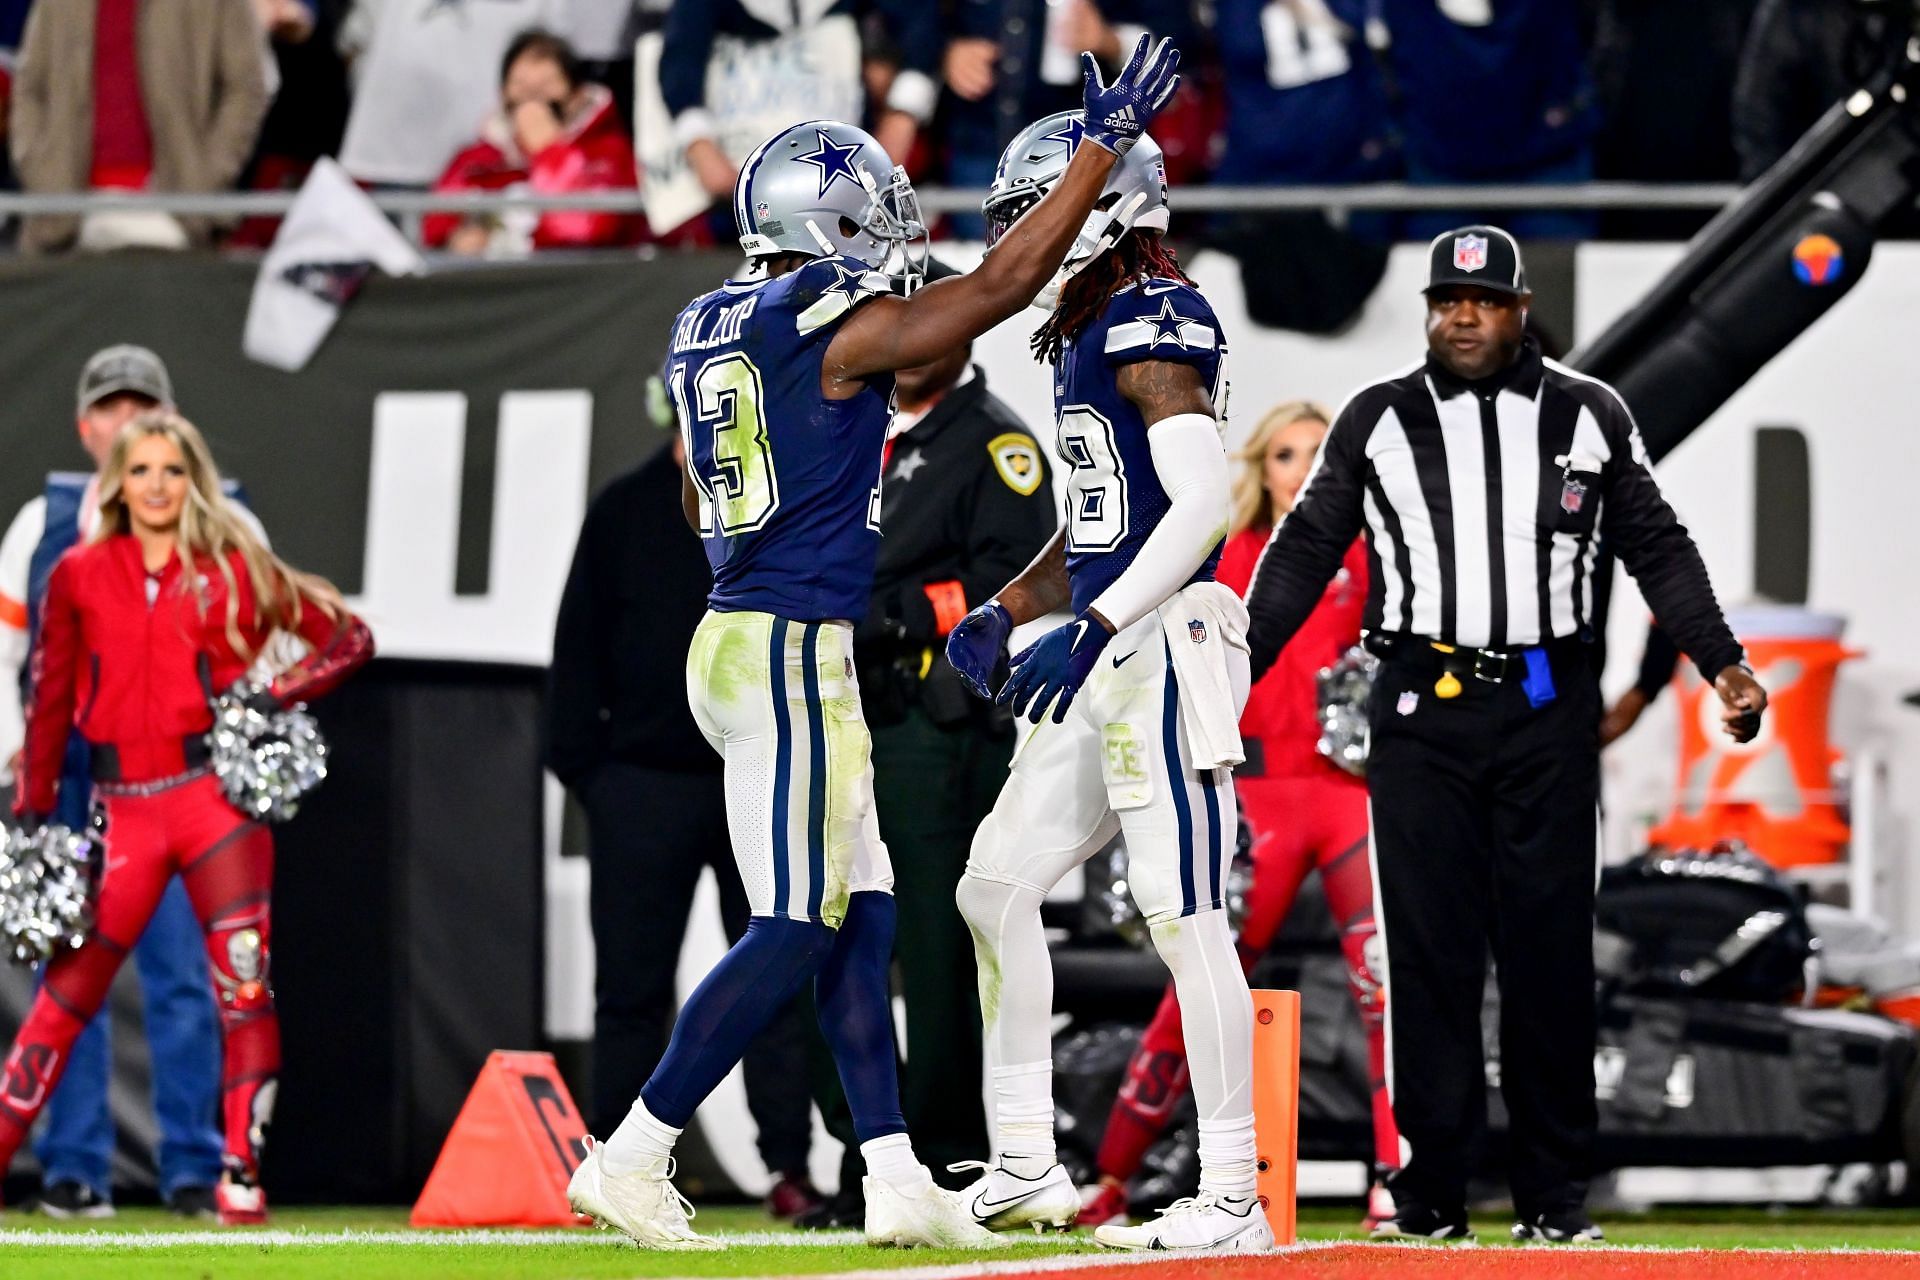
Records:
x=983, y=1205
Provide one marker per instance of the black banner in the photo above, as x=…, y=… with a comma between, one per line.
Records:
x=301, y=442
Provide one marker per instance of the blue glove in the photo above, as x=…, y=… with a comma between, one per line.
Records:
x=1118, y=113
x=974, y=647
x=1058, y=663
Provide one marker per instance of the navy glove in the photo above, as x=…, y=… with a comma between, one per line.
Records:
x=1118, y=113
x=1056, y=664
x=974, y=647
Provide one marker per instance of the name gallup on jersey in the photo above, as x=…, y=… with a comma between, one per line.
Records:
x=726, y=325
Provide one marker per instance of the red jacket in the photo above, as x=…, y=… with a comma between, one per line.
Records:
x=1283, y=710
x=593, y=154
x=140, y=678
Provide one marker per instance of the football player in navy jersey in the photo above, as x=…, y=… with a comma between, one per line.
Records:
x=783, y=382
x=1134, y=704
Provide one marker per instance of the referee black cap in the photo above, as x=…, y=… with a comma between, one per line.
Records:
x=1484, y=256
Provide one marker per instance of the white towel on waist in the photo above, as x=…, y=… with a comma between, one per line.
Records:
x=1205, y=624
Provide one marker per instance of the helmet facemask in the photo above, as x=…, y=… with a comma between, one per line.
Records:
x=1111, y=219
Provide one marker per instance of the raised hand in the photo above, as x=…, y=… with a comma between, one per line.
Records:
x=1117, y=114
x=974, y=647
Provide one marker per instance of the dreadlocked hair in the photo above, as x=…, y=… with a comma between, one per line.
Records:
x=1140, y=255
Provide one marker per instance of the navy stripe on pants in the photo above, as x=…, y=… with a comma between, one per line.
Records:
x=782, y=763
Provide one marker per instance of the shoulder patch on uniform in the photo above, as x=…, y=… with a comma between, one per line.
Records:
x=848, y=284
x=1016, y=456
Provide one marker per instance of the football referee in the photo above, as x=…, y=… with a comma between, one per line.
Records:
x=1482, y=479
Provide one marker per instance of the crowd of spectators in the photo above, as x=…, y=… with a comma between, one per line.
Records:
x=668, y=96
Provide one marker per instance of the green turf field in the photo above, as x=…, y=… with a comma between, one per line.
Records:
x=375, y=1244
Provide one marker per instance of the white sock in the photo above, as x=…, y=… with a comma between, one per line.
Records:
x=640, y=1144
x=1023, y=1117
x=891, y=1160
x=1227, y=1156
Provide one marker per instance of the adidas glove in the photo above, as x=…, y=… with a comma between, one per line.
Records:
x=1117, y=114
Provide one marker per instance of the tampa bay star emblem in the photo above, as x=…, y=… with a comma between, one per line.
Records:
x=1166, y=325
x=834, y=161
x=1016, y=458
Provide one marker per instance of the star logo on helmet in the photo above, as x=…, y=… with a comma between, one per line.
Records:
x=1166, y=325
x=834, y=160
x=1070, y=133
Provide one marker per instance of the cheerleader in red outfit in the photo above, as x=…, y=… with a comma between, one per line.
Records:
x=170, y=602
x=1304, y=813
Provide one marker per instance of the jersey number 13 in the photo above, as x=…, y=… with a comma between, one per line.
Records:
x=728, y=453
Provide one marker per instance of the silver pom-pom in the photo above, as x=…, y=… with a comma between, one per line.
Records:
x=46, y=892
x=266, y=761
x=1344, y=688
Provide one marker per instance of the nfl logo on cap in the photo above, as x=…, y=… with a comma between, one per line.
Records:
x=1469, y=252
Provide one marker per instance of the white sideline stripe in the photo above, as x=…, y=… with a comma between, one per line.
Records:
x=103, y=1238
x=999, y=1265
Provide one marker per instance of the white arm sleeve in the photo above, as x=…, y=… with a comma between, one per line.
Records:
x=1191, y=464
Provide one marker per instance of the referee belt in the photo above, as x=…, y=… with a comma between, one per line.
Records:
x=1467, y=664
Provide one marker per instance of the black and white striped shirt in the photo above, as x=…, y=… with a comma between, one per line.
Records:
x=1483, y=504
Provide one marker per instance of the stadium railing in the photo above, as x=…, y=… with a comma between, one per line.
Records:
x=409, y=207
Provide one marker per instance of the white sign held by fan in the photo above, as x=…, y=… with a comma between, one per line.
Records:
x=754, y=89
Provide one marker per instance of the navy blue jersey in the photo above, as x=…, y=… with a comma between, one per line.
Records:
x=1114, y=498
x=789, y=480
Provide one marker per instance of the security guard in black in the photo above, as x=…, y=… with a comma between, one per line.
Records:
x=1483, y=479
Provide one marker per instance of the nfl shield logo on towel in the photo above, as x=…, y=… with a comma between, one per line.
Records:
x=1198, y=630
x=1573, y=494
x=1469, y=252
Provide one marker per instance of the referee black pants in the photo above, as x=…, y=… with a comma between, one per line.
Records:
x=1485, y=838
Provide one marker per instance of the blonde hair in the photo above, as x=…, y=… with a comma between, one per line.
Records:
x=1252, y=504
x=212, y=525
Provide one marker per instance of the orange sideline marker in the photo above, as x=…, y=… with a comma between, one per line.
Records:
x=511, y=1150
x=1276, y=1106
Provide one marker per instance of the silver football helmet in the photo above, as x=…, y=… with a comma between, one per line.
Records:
x=1135, y=194
x=823, y=188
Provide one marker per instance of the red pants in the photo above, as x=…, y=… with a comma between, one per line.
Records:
x=1298, y=824
x=226, y=863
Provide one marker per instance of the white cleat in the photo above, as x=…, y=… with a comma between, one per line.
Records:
x=1000, y=1200
x=644, y=1207
x=936, y=1218
x=1232, y=1224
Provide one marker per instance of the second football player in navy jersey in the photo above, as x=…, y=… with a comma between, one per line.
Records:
x=1135, y=703
x=782, y=382
x=1115, y=497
